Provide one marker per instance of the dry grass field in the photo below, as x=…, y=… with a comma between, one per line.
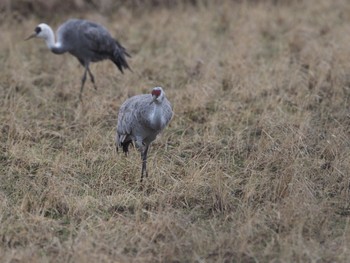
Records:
x=254, y=167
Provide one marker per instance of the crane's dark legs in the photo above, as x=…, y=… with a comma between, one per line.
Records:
x=144, y=163
x=83, y=79
x=92, y=78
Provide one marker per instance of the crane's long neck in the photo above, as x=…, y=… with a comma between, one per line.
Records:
x=156, y=117
x=55, y=47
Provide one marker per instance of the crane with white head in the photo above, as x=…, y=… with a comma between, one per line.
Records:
x=141, y=118
x=87, y=41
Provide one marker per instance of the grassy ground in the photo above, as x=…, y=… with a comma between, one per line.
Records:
x=254, y=167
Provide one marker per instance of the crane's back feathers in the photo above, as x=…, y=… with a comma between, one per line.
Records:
x=91, y=42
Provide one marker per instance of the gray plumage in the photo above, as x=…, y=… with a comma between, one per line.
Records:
x=87, y=41
x=141, y=118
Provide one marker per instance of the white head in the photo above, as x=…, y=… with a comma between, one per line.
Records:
x=158, y=95
x=41, y=31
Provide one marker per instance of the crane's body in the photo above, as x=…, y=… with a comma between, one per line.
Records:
x=87, y=41
x=141, y=118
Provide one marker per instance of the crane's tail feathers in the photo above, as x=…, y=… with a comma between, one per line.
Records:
x=119, y=57
x=125, y=146
x=121, y=142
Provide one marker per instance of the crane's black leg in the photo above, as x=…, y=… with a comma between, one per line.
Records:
x=92, y=77
x=83, y=79
x=144, y=163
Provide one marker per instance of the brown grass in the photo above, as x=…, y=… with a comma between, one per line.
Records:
x=253, y=168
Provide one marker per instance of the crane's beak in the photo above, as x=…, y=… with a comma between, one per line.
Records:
x=31, y=36
x=154, y=98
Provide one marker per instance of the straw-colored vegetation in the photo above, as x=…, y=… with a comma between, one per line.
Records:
x=254, y=167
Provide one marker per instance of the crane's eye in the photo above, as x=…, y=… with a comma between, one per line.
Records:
x=37, y=30
x=156, y=92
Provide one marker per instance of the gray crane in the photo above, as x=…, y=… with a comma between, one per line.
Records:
x=141, y=118
x=87, y=41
